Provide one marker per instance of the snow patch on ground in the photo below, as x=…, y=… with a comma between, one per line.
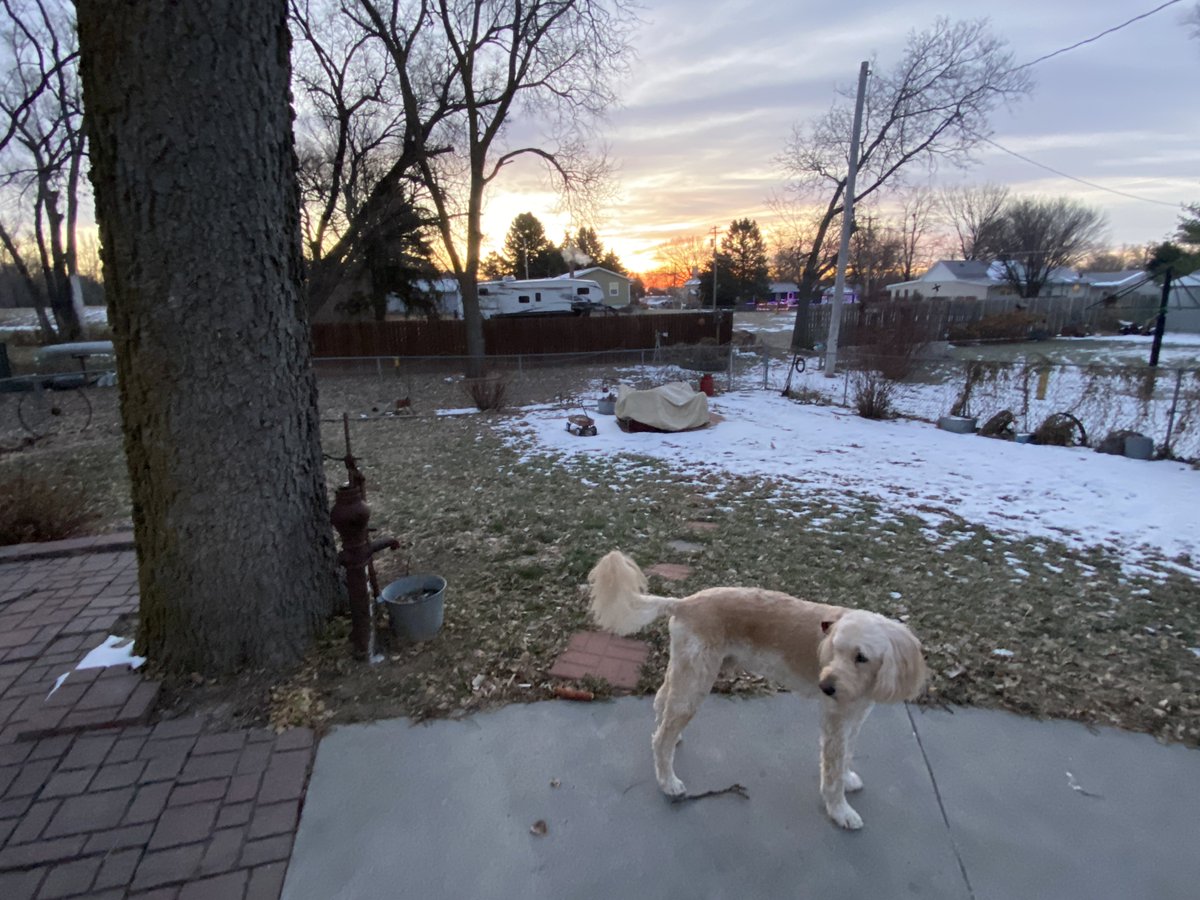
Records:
x=1141, y=512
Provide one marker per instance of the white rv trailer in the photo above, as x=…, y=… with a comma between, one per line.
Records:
x=539, y=297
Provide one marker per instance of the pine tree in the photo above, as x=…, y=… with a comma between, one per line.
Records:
x=742, y=270
x=528, y=253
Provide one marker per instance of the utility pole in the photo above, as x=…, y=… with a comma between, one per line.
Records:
x=715, y=230
x=839, y=283
x=1160, y=323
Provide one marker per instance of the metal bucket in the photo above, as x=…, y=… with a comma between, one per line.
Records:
x=1139, y=446
x=606, y=406
x=958, y=424
x=415, y=606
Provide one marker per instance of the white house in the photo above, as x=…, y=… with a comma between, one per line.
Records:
x=976, y=279
x=1126, y=283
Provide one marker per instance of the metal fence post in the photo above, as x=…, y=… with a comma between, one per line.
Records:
x=1166, y=448
x=730, y=378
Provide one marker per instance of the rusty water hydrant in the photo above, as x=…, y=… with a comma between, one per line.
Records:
x=350, y=517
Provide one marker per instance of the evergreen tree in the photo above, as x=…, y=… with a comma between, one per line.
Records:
x=742, y=270
x=528, y=253
x=588, y=243
x=493, y=267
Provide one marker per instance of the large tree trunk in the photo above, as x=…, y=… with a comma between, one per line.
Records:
x=192, y=163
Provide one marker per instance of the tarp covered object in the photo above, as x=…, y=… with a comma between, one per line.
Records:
x=670, y=407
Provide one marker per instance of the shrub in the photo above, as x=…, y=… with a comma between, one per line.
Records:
x=808, y=396
x=488, y=392
x=705, y=356
x=892, y=338
x=34, y=508
x=1010, y=326
x=1061, y=429
x=873, y=394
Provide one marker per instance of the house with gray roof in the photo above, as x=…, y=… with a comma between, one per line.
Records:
x=977, y=279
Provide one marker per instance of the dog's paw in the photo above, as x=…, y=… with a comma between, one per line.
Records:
x=673, y=787
x=845, y=816
x=852, y=782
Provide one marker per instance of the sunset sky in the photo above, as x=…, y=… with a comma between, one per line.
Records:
x=717, y=87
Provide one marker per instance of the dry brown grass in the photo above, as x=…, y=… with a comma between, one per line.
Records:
x=515, y=532
x=35, y=507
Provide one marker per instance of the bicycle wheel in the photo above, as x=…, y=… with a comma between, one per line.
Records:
x=44, y=412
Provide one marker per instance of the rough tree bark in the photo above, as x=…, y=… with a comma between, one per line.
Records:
x=189, y=121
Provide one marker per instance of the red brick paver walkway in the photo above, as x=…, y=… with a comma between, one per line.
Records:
x=618, y=660
x=91, y=807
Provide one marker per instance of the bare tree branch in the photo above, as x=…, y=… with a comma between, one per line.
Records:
x=931, y=109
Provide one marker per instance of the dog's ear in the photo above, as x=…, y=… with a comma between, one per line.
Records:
x=902, y=671
x=826, y=624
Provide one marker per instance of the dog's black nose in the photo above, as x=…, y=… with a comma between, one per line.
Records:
x=828, y=688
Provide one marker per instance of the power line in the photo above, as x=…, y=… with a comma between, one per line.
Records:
x=1061, y=174
x=1097, y=37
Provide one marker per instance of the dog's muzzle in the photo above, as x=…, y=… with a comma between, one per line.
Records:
x=827, y=686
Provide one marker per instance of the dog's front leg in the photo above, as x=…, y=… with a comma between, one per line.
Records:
x=837, y=723
x=854, y=721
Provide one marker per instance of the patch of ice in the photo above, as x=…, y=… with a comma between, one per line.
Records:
x=1001, y=652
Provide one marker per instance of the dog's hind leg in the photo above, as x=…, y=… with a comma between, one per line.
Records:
x=688, y=681
x=836, y=725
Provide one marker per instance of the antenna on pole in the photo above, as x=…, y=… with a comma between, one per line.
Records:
x=839, y=283
x=715, y=230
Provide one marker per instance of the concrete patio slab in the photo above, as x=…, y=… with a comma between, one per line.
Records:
x=444, y=810
x=1053, y=809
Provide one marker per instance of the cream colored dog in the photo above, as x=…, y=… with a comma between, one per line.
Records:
x=854, y=658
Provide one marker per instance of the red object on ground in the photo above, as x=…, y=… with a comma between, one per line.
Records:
x=568, y=693
x=706, y=385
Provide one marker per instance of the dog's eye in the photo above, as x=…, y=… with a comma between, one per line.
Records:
x=859, y=658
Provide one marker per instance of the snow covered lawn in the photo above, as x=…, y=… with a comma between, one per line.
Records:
x=1145, y=513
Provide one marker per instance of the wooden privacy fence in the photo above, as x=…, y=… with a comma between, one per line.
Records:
x=516, y=336
x=1052, y=315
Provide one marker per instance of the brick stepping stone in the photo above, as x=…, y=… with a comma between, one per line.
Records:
x=703, y=526
x=617, y=660
x=88, y=699
x=686, y=547
x=670, y=571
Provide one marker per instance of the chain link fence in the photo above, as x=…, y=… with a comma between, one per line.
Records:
x=1162, y=403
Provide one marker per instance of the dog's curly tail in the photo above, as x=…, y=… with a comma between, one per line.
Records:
x=619, y=602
